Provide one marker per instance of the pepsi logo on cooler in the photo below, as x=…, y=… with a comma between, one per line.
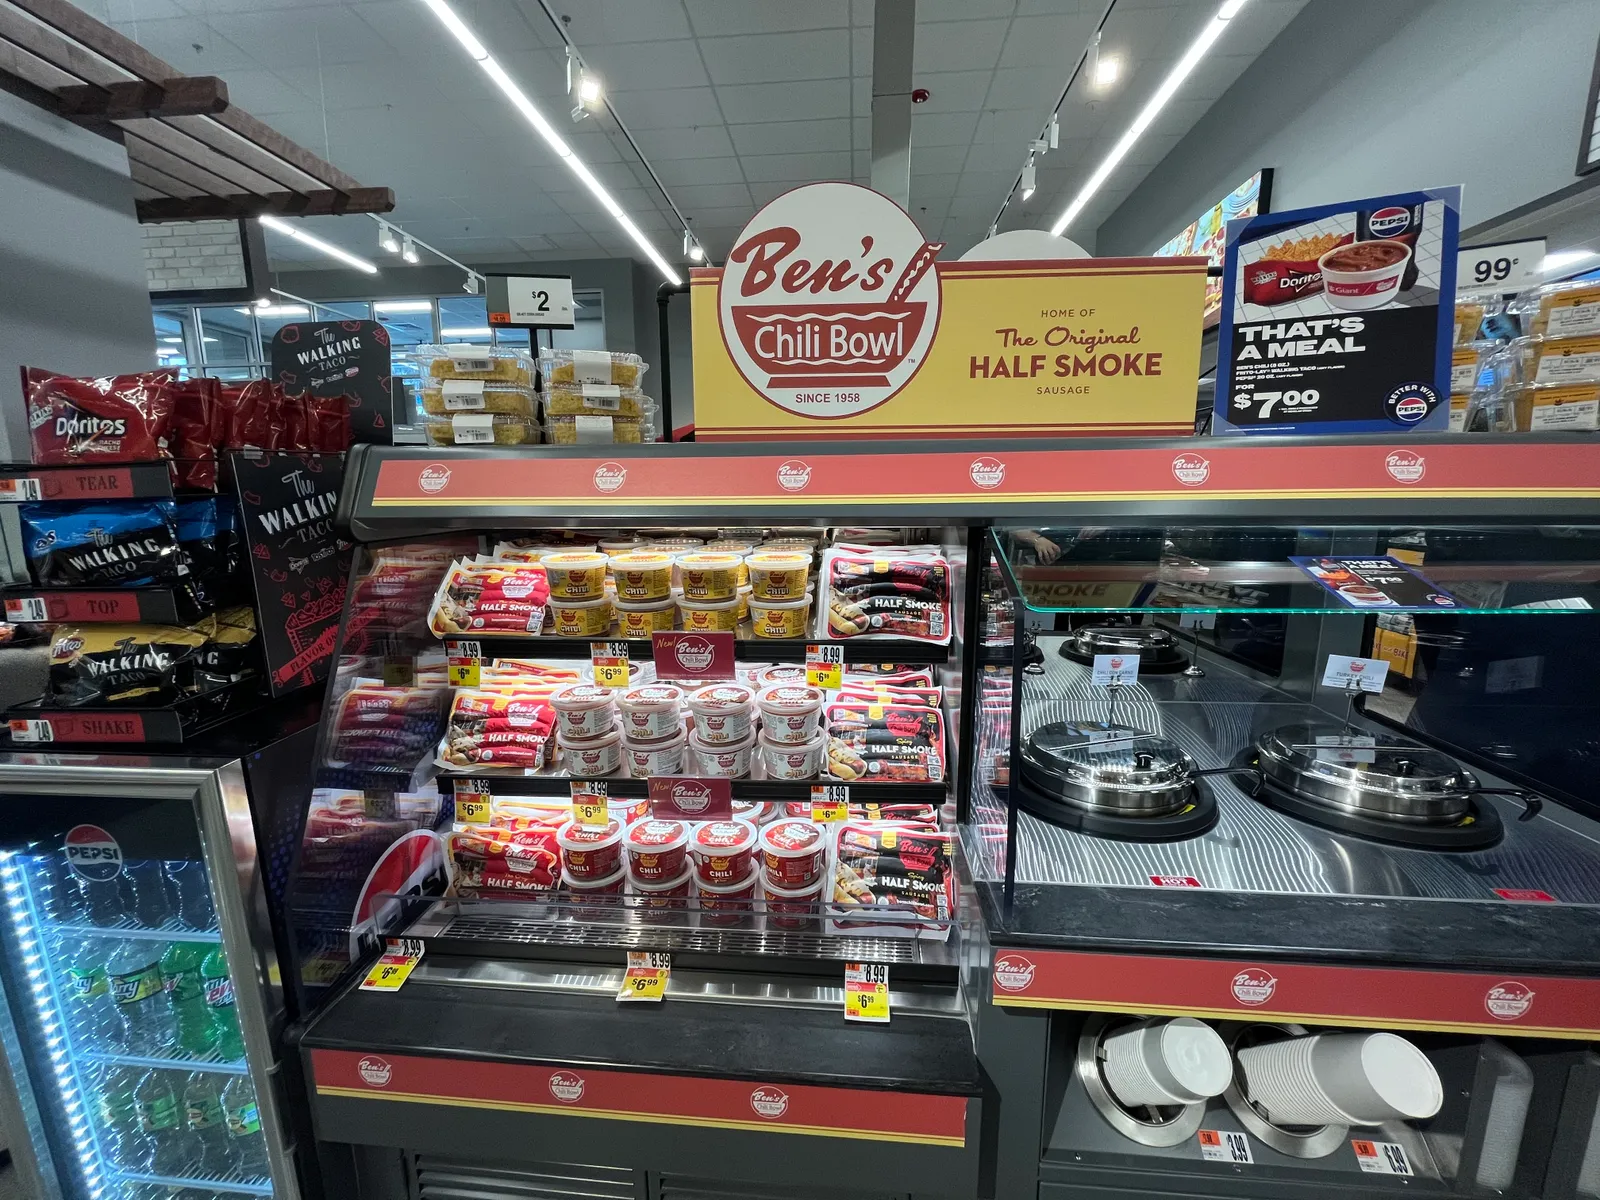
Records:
x=92, y=853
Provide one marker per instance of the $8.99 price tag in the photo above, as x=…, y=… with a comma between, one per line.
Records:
x=394, y=966
x=474, y=804
x=462, y=660
x=646, y=976
x=825, y=666
x=866, y=992
x=610, y=661
x=590, y=805
x=830, y=802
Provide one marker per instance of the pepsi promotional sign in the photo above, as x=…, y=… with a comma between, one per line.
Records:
x=1340, y=318
x=92, y=853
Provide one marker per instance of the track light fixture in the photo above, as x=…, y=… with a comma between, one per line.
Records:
x=582, y=85
x=1028, y=180
x=386, y=238
x=471, y=285
x=408, y=250
x=691, y=248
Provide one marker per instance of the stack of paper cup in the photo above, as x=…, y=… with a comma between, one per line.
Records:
x=1341, y=1079
x=1162, y=1063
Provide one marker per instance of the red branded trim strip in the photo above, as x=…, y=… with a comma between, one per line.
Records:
x=91, y=606
x=106, y=483
x=1385, y=997
x=95, y=727
x=636, y=1096
x=1010, y=476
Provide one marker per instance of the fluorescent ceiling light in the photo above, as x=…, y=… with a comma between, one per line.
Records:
x=1563, y=259
x=277, y=310
x=178, y=340
x=534, y=117
x=1169, y=86
x=479, y=331
x=316, y=243
x=403, y=306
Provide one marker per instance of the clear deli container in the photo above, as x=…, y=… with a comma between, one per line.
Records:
x=596, y=399
x=446, y=397
x=590, y=366
x=481, y=429
x=499, y=363
x=581, y=430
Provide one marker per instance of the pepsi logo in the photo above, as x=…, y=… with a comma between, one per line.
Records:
x=434, y=478
x=1387, y=222
x=92, y=853
x=1013, y=973
x=1411, y=408
x=1406, y=466
x=610, y=476
x=1191, y=469
x=694, y=654
x=987, y=472
x=769, y=1102
x=567, y=1086
x=374, y=1071
x=794, y=475
x=1508, y=1001
x=1253, y=986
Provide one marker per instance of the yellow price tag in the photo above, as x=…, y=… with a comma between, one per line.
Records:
x=462, y=663
x=830, y=802
x=646, y=976
x=393, y=967
x=610, y=661
x=473, y=808
x=587, y=810
x=825, y=666
x=866, y=992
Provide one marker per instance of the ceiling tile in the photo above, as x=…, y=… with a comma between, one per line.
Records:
x=834, y=164
x=824, y=54
x=957, y=45
x=641, y=66
x=942, y=129
x=807, y=100
x=791, y=137
x=702, y=141
x=608, y=22
x=685, y=171
x=1055, y=42
x=936, y=159
x=668, y=108
x=714, y=18
x=714, y=195
x=952, y=91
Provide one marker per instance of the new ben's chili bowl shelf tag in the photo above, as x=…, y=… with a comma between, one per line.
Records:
x=1339, y=318
x=693, y=655
x=691, y=797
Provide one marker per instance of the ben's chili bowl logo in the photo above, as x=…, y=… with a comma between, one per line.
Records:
x=794, y=475
x=987, y=472
x=434, y=477
x=1253, y=986
x=1191, y=469
x=693, y=653
x=610, y=476
x=769, y=1102
x=1406, y=466
x=374, y=1071
x=690, y=796
x=1013, y=973
x=1508, y=1001
x=567, y=1086
x=829, y=300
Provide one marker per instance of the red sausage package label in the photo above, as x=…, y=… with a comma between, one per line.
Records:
x=872, y=741
x=490, y=862
x=498, y=729
x=493, y=598
x=117, y=418
x=888, y=594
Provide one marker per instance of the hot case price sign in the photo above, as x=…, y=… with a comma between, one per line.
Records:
x=1339, y=318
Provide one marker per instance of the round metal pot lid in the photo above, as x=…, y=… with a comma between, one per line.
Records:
x=1375, y=774
x=1109, y=768
x=1152, y=643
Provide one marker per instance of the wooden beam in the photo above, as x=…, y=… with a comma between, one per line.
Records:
x=56, y=50
x=174, y=167
x=159, y=181
x=290, y=204
x=180, y=144
x=230, y=145
x=188, y=95
x=278, y=146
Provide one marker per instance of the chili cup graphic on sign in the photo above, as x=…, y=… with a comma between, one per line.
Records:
x=1339, y=318
x=829, y=300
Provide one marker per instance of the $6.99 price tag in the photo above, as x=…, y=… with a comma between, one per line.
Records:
x=830, y=802
x=590, y=805
x=474, y=804
x=610, y=662
x=646, y=976
x=394, y=966
x=462, y=660
x=866, y=992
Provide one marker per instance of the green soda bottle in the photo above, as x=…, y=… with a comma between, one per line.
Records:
x=219, y=1000
x=186, y=996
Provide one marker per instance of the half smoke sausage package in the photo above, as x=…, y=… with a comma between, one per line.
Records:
x=885, y=593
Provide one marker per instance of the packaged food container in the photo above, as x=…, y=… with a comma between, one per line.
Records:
x=667, y=902
x=1464, y=361
x=1458, y=413
x=722, y=759
x=629, y=809
x=599, y=399
x=588, y=757
x=735, y=544
x=790, y=712
x=780, y=673
x=499, y=363
x=658, y=851
x=742, y=607
x=620, y=544
x=1557, y=407
x=779, y=618
x=782, y=760
x=778, y=574
x=641, y=619
x=1469, y=318
x=576, y=574
x=447, y=397
x=709, y=574
x=590, y=853
x=1363, y=275
x=586, y=430
x=757, y=812
x=642, y=575
x=605, y=892
x=580, y=618
x=723, y=851
x=674, y=545
x=723, y=712
x=481, y=429
x=726, y=904
x=590, y=366
x=583, y=710
x=791, y=908
x=794, y=853
x=1560, y=360
x=1570, y=309
x=709, y=616
x=664, y=757
x=651, y=711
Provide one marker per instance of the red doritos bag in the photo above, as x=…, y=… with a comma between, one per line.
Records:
x=117, y=418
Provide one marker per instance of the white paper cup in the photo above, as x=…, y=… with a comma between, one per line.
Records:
x=1342, y=1079
x=1279, y=1079
x=1160, y=1062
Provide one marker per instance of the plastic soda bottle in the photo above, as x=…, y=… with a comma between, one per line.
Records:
x=244, y=1127
x=90, y=1010
x=118, y=1110
x=186, y=878
x=134, y=973
x=220, y=1000
x=161, y=1123
x=186, y=997
x=147, y=899
x=207, y=1125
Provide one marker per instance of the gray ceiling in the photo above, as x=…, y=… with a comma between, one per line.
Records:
x=731, y=101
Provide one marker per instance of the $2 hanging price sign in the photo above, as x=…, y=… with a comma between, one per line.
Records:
x=646, y=976
x=866, y=992
x=394, y=966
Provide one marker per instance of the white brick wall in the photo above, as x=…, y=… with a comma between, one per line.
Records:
x=191, y=255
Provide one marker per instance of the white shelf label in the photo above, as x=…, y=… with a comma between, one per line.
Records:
x=472, y=429
x=1119, y=670
x=1501, y=267
x=1382, y=1158
x=463, y=395
x=1355, y=674
x=26, y=608
x=1225, y=1145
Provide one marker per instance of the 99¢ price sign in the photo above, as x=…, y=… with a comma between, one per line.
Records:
x=866, y=992
x=1503, y=267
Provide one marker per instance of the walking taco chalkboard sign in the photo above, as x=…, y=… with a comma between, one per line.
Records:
x=340, y=358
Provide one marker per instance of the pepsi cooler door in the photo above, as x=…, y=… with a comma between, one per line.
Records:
x=134, y=1020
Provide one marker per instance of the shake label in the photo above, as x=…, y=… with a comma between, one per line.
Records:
x=159, y=1114
x=244, y=1120
x=136, y=985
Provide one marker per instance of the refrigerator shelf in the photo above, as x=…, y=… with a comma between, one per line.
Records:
x=216, y=1066
x=167, y=933
x=244, y=1187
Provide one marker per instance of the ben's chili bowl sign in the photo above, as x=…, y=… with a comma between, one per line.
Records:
x=829, y=300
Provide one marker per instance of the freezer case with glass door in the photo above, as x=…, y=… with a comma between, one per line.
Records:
x=138, y=1061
